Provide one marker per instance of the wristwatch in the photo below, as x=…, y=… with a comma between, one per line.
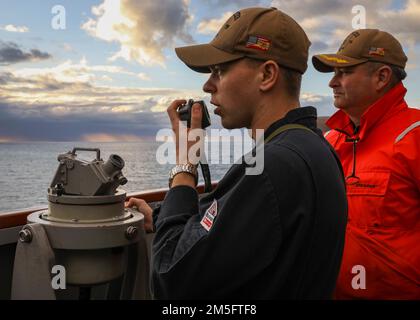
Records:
x=187, y=168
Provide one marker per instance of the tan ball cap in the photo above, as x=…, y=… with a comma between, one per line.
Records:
x=361, y=46
x=258, y=33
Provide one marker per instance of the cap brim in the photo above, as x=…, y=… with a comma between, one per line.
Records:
x=200, y=57
x=327, y=62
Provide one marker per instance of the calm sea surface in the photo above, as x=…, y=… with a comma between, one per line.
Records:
x=27, y=169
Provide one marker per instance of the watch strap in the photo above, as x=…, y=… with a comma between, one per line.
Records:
x=183, y=168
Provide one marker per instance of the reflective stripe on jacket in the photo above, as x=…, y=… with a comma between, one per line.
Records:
x=382, y=160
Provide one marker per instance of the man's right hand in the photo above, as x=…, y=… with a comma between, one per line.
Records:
x=182, y=155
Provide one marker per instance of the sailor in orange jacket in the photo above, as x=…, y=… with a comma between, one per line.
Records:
x=377, y=138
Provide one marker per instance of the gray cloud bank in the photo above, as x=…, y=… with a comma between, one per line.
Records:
x=10, y=53
x=43, y=108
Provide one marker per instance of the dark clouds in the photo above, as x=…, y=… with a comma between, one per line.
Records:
x=45, y=105
x=39, y=122
x=10, y=53
x=40, y=126
x=319, y=46
x=41, y=107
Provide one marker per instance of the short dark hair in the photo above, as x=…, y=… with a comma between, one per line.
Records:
x=292, y=78
x=293, y=81
x=398, y=73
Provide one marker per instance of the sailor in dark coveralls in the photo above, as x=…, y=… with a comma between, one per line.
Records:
x=278, y=234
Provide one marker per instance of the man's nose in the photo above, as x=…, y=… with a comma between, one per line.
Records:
x=209, y=85
x=333, y=82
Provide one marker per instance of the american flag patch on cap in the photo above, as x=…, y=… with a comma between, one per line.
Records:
x=373, y=51
x=258, y=42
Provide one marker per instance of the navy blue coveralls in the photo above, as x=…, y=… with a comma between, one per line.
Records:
x=277, y=235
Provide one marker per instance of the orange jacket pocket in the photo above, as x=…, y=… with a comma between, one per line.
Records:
x=372, y=183
x=366, y=198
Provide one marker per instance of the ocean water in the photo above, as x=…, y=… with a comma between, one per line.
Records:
x=27, y=169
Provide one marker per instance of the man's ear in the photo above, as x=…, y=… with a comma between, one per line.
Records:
x=269, y=74
x=383, y=77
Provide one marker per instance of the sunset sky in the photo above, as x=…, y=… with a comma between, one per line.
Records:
x=111, y=73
